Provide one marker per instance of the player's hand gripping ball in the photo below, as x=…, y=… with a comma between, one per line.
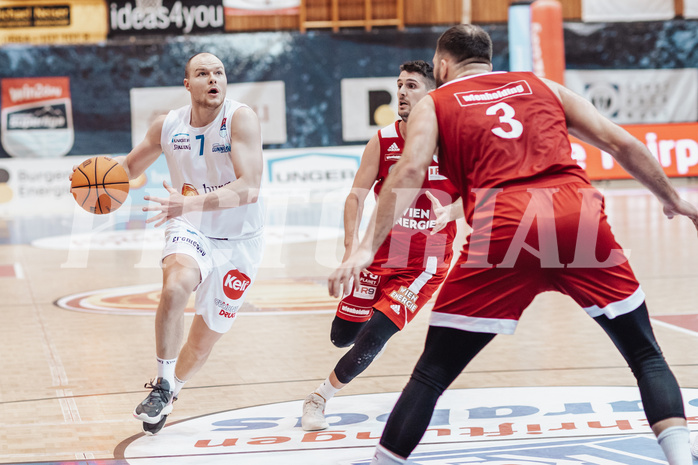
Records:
x=100, y=185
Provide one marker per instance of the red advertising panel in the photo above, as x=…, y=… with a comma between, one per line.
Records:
x=547, y=41
x=37, y=117
x=675, y=146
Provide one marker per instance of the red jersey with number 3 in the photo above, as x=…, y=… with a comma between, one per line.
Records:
x=473, y=109
x=410, y=242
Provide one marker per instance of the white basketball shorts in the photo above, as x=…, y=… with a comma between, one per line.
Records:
x=228, y=268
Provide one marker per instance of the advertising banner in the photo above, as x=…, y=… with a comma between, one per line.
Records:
x=313, y=169
x=267, y=99
x=639, y=95
x=627, y=10
x=261, y=7
x=31, y=188
x=142, y=17
x=52, y=21
x=675, y=146
x=37, y=117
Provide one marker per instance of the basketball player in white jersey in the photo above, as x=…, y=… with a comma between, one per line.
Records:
x=214, y=224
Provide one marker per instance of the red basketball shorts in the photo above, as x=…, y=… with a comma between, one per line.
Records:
x=399, y=293
x=525, y=242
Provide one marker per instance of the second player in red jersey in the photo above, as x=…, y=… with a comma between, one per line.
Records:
x=411, y=262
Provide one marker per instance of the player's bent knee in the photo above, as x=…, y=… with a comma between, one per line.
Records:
x=175, y=289
x=343, y=332
x=341, y=341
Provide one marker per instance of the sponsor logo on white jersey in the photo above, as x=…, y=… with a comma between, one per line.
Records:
x=223, y=130
x=181, y=141
x=235, y=284
x=226, y=310
x=189, y=190
x=220, y=148
x=193, y=242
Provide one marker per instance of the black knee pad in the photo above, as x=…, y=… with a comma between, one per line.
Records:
x=343, y=332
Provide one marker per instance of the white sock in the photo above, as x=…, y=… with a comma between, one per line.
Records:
x=178, y=385
x=676, y=444
x=694, y=447
x=383, y=456
x=326, y=390
x=166, y=369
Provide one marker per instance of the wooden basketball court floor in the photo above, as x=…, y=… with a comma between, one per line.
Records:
x=69, y=380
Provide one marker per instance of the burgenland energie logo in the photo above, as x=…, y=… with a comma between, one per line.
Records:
x=189, y=190
x=6, y=193
x=235, y=283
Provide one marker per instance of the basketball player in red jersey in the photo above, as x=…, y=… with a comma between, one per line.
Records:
x=503, y=141
x=409, y=265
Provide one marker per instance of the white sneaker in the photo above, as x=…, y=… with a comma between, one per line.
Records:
x=314, y=413
x=694, y=448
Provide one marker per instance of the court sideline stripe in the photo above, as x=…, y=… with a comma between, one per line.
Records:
x=314, y=380
x=59, y=377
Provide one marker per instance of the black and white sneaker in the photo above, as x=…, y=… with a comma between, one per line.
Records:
x=154, y=428
x=157, y=405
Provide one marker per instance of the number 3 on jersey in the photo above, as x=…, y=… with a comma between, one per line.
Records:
x=513, y=129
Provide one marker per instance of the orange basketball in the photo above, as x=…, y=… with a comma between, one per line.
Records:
x=100, y=185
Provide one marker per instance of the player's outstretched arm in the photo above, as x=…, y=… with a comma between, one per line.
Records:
x=399, y=190
x=586, y=123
